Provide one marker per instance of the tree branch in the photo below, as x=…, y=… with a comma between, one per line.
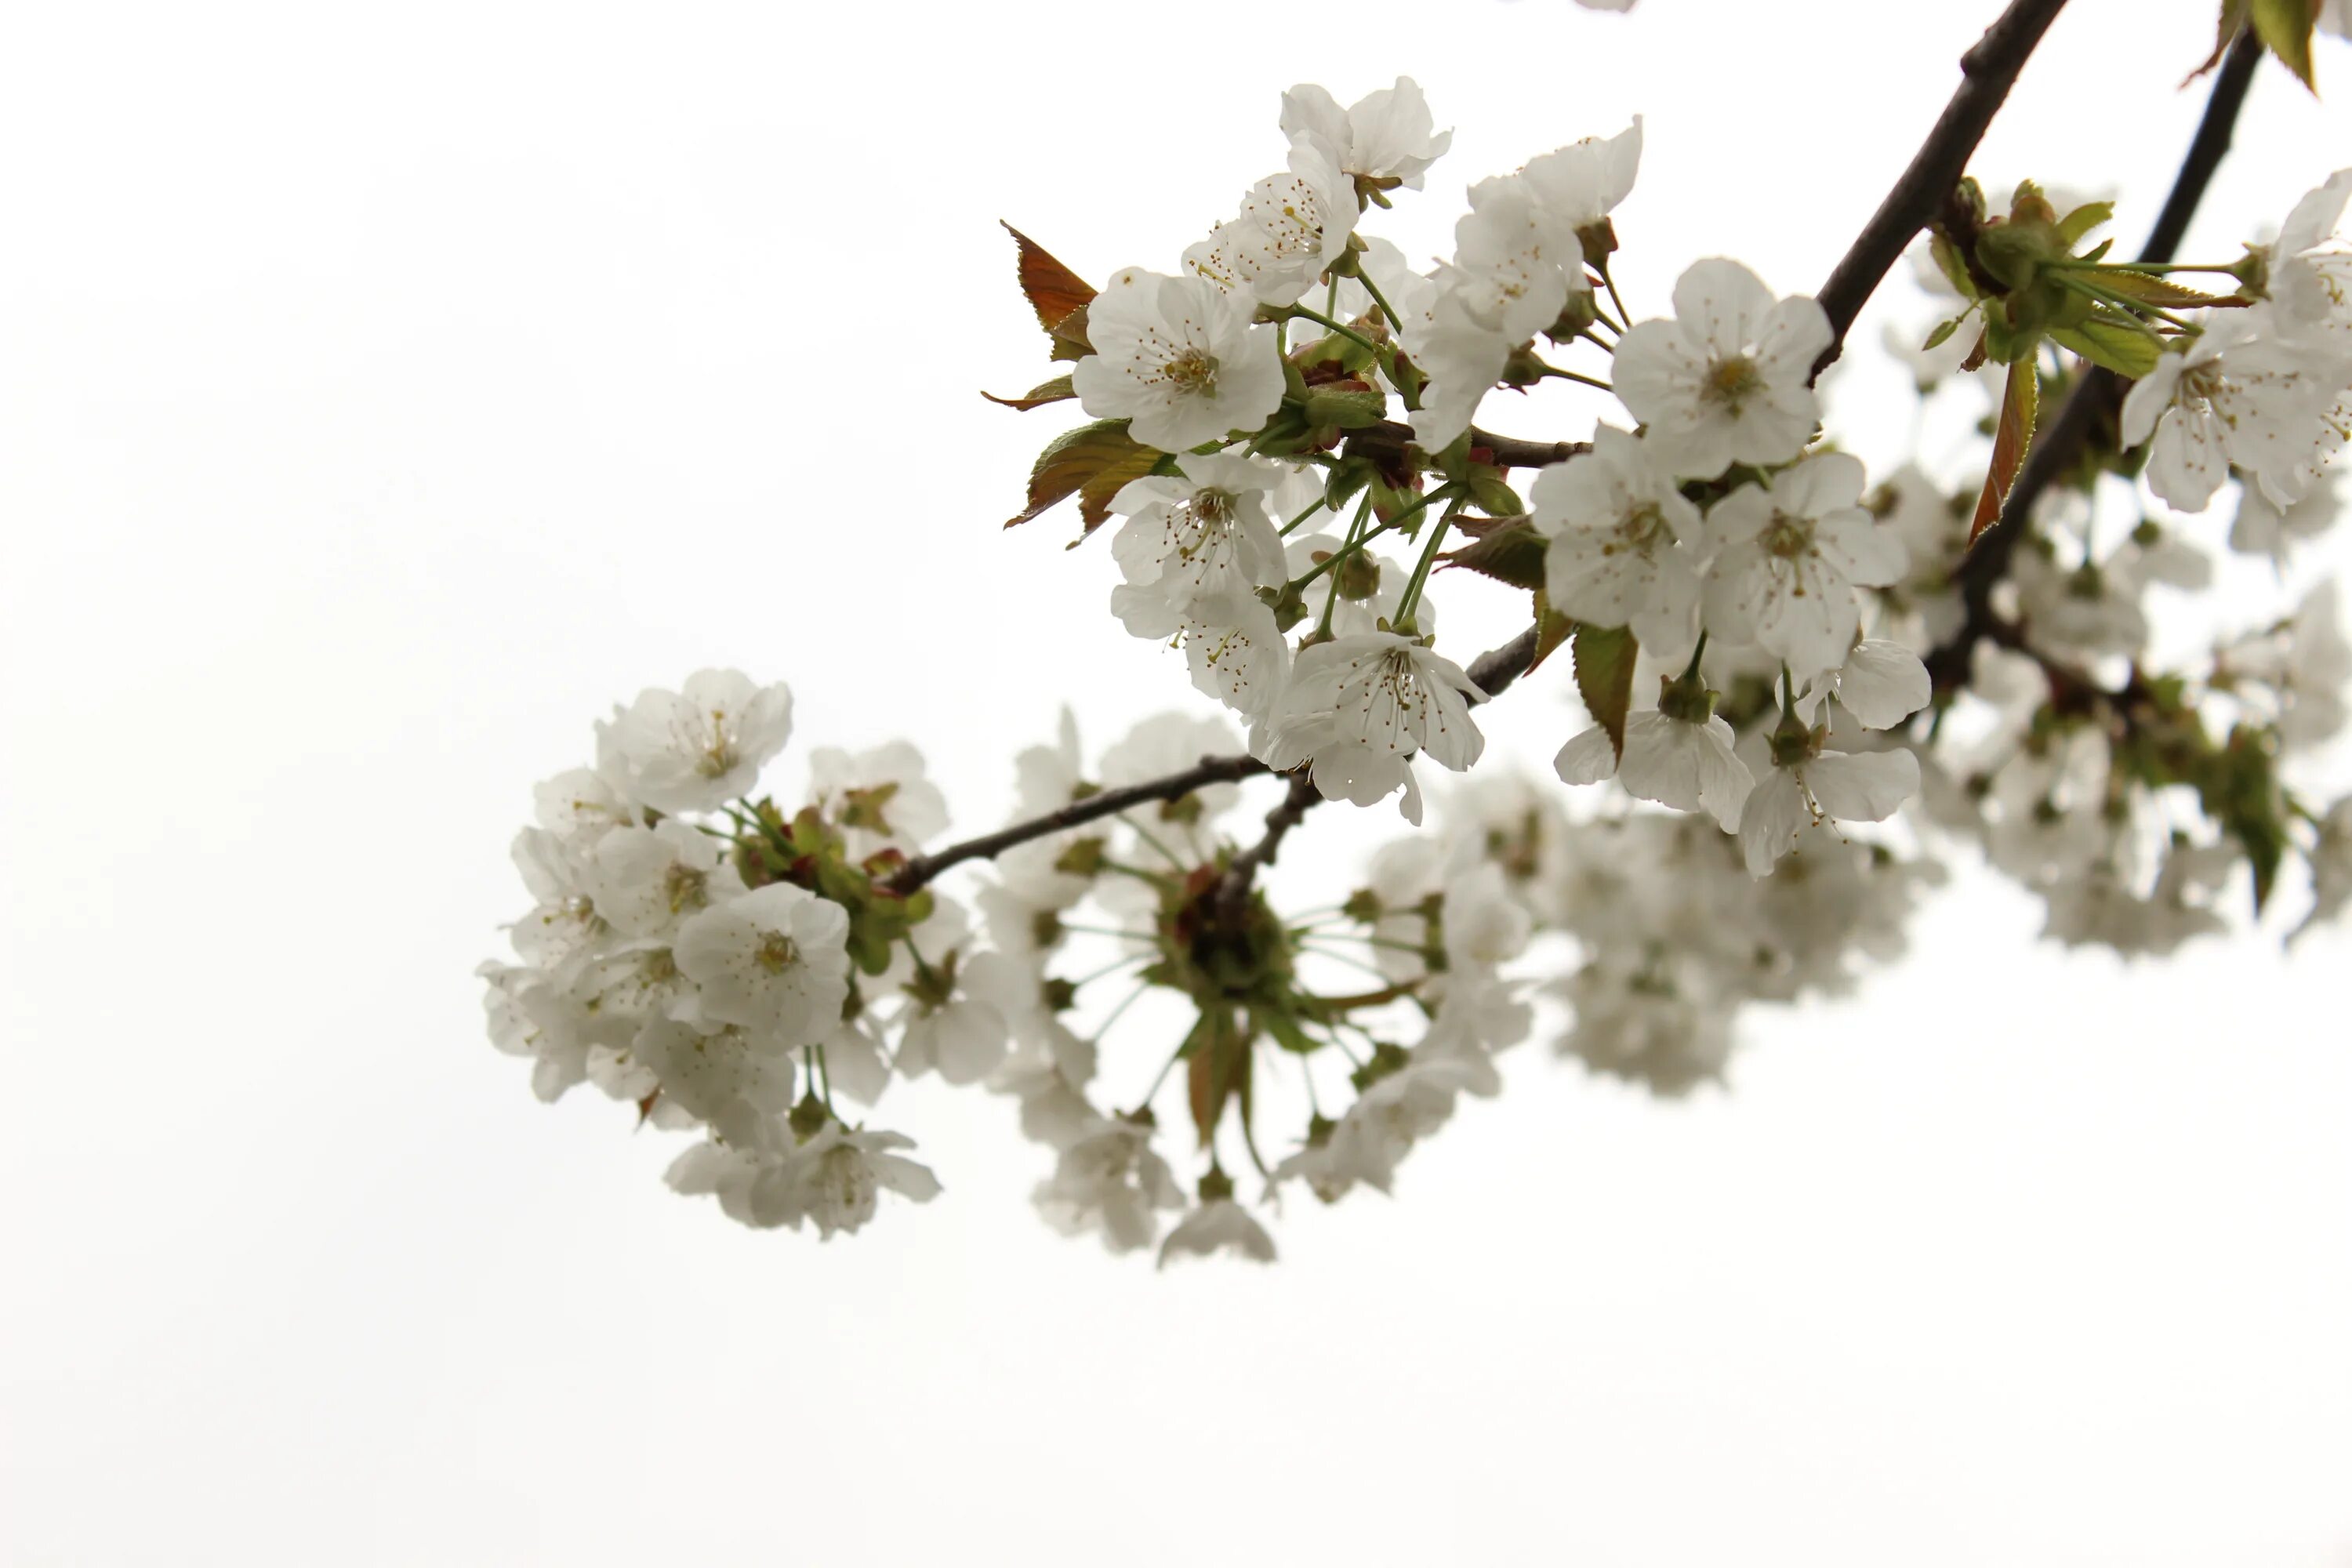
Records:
x=1988, y=71
x=923, y=868
x=1232, y=891
x=2097, y=397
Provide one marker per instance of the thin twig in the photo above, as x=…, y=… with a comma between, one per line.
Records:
x=1988, y=71
x=1233, y=889
x=2097, y=397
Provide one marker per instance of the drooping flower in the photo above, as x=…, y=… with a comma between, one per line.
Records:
x=1808, y=786
x=1359, y=708
x=1686, y=762
x=1578, y=185
x=1881, y=683
x=1110, y=1180
x=837, y=1178
x=1727, y=380
x=1179, y=358
x=1385, y=139
x=1622, y=543
x=697, y=749
x=1220, y=1224
x=1790, y=553
x=774, y=961
x=728, y=1078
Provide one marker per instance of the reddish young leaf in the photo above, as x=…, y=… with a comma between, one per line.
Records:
x=1054, y=292
x=1091, y=462
x=2019, y=409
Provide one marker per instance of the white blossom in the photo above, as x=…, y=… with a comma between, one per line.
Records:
x=1880, y=683
x=835, y=1179
x=1112, y=1181
x=1179, y=358
x=2245, y=394
x=1825, y=787
x=1578, y=185
x=697, y=749
x=1359, y=708
x=1385, y=139
x=646, y=881
x=1201, y=536
x=1790, y=553
x=1683, y=763
x=1293, y=225
x=1622, y=543
x=775, y=960
x=1727, y=381
x=1220, y=1224
x=879, y=796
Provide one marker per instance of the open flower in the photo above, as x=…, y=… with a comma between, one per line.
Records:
x=1178, y=358
x=1622, y=543
x=2243, y=393
x=1200, y=534
x=1727, y=381
x=697, y=749
x=1359, y=708
x=1292, y=227
x=1791, y=552
x=775, y=961
x=1384, y=140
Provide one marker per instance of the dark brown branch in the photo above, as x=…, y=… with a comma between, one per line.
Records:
x=1232, y=891
x=2096, y=401
x=1988, y=71
x=922, y=868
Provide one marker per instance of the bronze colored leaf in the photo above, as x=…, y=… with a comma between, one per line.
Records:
x=1055, y=390
x=1054, y=292
x=1091, y=462
x=1513, y=553
x=2011, y=439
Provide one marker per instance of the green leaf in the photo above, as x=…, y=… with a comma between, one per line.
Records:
x=1092, y=462
x=1513, y=553
x=2162, y=292
x=2286, y=25
x=2082, y=221
x=1942, y=334
x=1952, y=264
x=1552, y=629
x=2113, y=340
x=1057, y=390
x=1604, y=676
x=2012, y=436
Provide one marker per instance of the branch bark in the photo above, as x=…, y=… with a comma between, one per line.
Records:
x=2097, y=397
x=1988, y=71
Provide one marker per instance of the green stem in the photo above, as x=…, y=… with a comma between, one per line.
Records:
x=1291, y=527
x=1379, y=298
x=1412, y=600
x=1555, y=371
x=1353, y=336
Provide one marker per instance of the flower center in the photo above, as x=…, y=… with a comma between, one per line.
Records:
x=684, y=886
x=777, y=953
x=1643, y=529
x=1191, y=372
x=1787, y=536
x=1730, y=383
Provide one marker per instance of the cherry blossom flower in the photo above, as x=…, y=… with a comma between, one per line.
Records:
x=775, y=961
x=1578, y=185
x=1359, y=708
x=879, y=796
x=1200, y=535
x=697, y=749
x=1727, y=380
x=1110, y=1180
x=1622, y=540
x=1179, y=358
x=1881, y=683
x=1686, y=762
x=835, y=1179
x=646, y=881
x=1791, y=552
x=1219, y=1225
x=1292, y=227
x=1384, y=140
x=1808, y=786
x=2242, y=394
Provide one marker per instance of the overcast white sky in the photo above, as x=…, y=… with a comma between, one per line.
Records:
x=383, y=393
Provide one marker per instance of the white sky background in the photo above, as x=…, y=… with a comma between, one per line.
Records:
x=379, y=401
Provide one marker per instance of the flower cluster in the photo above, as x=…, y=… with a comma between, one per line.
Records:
x=699, y=954
x=1804, y=689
